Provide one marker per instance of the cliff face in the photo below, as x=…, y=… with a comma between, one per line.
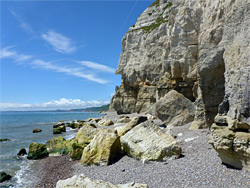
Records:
x=158, y=55
x=199, y=48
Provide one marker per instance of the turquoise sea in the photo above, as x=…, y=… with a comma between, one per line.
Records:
x=18, y=127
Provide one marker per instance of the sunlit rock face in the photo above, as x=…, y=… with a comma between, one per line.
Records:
x=159, y=54
x=198, y=48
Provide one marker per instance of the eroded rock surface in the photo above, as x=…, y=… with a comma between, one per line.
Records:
x=231, y=142
x=37, y=151
x=102, y=149
x=198, y=48
x=121, y=130
x=148, y=142
x=174, y=109
x=159, y=54
x=82, y=181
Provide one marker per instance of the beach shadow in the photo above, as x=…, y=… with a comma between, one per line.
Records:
x=230, y=167
x=181, y=156
x=116, y=159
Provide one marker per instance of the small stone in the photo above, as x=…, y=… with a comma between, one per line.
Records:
x=37, y=130
x=22, y=152
x=57, y=131
x=4, y=177
x=4, y=140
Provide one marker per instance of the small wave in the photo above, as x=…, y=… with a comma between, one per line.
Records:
x=70, y=136
x=46, y=123
x=22, y=175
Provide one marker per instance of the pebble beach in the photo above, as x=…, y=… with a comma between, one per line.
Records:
x=200, y=166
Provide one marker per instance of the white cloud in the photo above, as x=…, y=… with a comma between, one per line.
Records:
x=97, y=66
x=79, y=72
x=69, y=71
x=59, y=42
x=62, y=103
x=26, y=27
x=23, y=24
x=7, y=53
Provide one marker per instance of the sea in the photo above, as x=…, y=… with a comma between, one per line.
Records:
x=18, y=127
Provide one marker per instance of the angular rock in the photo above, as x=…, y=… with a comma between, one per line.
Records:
x=102, y=149
x=37, y=151
x=123, y=119
x=89, y=119
x=4, y=177
x=233, y=147
x=58, y=124
x=174, y=108
x=22, y=152
x=73, y=125
x=37, y=130
x=122, y=130
x=97, y=120
x=62, y=128
x=86, y=134
x=59, y=146
x=148, y=142
x=82, y=181
x=57, y=131
x=77, y=150
x=105, y=122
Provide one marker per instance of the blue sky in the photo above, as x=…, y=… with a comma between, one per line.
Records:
x=62, y=54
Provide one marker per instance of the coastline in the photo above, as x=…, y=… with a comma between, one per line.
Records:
x=19, y=167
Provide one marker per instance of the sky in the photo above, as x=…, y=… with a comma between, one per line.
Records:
x=62, y=54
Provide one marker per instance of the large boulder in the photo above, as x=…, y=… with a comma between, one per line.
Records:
x=122, y=130
x=77, y=150
x=86, y=134
x=232, y=145
x=174, y=108
x=59, y=146
x=37, y=151
x=102, y=148
x=148, y=142
x=82, y=181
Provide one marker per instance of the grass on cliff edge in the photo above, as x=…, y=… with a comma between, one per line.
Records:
x=156, y=3
x=158, y=21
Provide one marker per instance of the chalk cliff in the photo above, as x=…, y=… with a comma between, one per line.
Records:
x=200, y=48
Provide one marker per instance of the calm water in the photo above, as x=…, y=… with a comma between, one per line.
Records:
x=18, y=127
